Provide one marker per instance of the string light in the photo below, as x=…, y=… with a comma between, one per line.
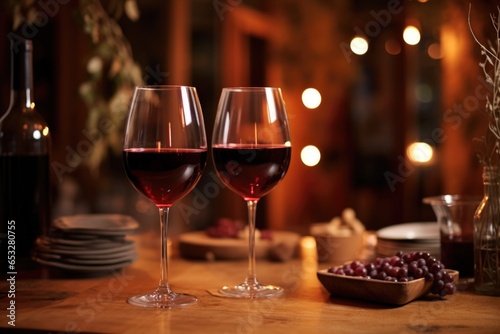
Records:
x=411, y=35
x=359, y=45
x=310, y=155
x=311, y=98
x=420, y=152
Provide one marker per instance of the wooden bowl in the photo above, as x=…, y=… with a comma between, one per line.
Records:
x=396, y=293
x=337, y=250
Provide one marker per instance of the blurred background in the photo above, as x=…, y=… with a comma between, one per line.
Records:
x=396, y=97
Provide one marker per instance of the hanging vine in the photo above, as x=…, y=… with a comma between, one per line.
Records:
x=112, y=76
x=111, y=70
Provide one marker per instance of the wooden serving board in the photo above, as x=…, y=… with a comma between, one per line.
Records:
x=198, y=245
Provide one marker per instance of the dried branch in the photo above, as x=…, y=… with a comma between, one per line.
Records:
x=474, y=36
x=490, y=153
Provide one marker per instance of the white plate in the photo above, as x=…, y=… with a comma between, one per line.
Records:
x=79, y=243
x=100, y=223
x=405, y=246
x=418, y=232
x=80, y=233
x=93, y=262
x=108, y=256
x=86, y=257
x=41, y=247
x=82, y=268
x=84, y=248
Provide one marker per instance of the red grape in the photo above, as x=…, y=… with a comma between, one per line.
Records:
x=360, y=271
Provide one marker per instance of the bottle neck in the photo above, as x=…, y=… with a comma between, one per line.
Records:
x=23, y=131
x=21, y=94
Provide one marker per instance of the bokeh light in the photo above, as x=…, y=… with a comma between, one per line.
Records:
x=359, y=45
x=392, y=47
x=434, y=51
x=311, y=98
x=420, y=152
x=310, y=155
x=411, y=35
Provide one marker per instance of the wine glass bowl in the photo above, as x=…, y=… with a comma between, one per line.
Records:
x=164, y=154
x=251, y=150
x=251, y=171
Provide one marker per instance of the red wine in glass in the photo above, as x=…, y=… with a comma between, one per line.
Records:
x=458, y=254
x=164, y=175
x=164, y=154
x=251, y=171
x=251, y=149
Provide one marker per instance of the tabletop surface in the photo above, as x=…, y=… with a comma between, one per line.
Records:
x=50, y=303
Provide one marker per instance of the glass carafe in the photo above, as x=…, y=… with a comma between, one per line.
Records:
x=487, y=236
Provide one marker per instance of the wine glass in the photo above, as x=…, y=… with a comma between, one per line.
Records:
x=251, y=152
x=164, y=154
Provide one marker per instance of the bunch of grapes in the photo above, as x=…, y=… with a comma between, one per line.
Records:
x=403, y=268
x=225, y=228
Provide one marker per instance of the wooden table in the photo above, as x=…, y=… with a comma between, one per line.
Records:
x=98, y=305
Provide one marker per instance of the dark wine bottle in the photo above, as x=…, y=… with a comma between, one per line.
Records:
x=25, y=199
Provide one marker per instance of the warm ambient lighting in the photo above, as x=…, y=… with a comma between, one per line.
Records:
x=37, y=134
x=411, y=35
x=419, y=152
x=311, y=98
x=434, y=51
x=308, y=242
x=392, y=47
x=310, y=155
x=308, y=247
x=359, y=45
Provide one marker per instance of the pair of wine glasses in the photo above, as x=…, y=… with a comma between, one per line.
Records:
x=165, y=152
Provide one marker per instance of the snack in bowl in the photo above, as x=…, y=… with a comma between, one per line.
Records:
x=339, y=240
x=395, y=280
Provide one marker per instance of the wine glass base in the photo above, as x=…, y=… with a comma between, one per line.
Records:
x=251, y=291
x=163, y=300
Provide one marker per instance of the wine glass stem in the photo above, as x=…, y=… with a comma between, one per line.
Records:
x=163, y=285
x=251, y=276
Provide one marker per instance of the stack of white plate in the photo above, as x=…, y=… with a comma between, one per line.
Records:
x=409, y=237
x=88, y=243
